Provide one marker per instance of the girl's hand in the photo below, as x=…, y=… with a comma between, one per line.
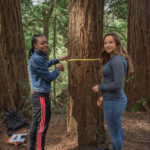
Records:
x=99, y=101
x=63, y=58
x=60, y=67
x=95, y=88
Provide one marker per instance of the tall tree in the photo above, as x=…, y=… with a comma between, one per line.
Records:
x=14, y=76
x=3, y=93
x=116, y=8
x=84, y=42
x=46, y=17
x=115, y=18
x=139, y=48
x=54, y=48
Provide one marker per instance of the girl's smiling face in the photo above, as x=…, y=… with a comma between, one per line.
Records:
x=41, y=44
x=109, y=44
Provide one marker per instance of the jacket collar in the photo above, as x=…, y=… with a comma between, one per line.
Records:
x=39, y=53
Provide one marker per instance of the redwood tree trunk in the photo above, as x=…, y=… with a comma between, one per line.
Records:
x=84, y=42
x=4, y=94
x=14, y=81
x=139, y=48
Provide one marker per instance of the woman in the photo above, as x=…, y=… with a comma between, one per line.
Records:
x=116, y=63
x=40, y=79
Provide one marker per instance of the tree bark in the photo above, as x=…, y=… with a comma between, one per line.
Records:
x=4, y=94
x=46, y=19
x=84, y=42
x=54, y=48
x=14, y=81
x=137, y=88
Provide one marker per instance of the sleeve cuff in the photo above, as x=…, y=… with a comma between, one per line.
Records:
x=57, y=60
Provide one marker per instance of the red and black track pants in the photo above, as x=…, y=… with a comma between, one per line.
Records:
x=40, y=122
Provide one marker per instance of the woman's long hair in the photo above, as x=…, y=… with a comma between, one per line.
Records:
x=104, y=57
x=33, y=41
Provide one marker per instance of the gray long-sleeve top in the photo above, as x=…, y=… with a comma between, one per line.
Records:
x=113, y=76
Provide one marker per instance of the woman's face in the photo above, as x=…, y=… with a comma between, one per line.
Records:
x=109, y=44
x=41, y=44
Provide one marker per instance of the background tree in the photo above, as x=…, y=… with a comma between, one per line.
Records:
x=4, y=93
x=84, y=41
x=115, y=18
x=46, y=16
x=14, y=77
x=137, y=87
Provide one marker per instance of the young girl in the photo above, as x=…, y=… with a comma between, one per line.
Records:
x=40, y=79
x=116, y=63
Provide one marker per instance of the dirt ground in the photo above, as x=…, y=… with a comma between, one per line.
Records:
x=136, y=132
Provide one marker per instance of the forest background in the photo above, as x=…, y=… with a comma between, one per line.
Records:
x=56, y=19
x=56, y=30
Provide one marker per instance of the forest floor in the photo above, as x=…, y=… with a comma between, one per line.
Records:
x=136, y=133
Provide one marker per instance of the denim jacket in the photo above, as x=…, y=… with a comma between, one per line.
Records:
x=40, y=76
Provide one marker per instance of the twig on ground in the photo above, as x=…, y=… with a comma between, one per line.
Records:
x=56, y=101
x=137, y=141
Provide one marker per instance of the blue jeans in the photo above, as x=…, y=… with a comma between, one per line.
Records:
x=113, y=112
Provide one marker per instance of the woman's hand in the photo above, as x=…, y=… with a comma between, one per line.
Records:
x=95, y=88
x=99, y=101
x=60, y=67
x=63, y=58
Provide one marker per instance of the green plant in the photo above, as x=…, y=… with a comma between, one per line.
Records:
x=132, y=78
x=138, y=105
x=135, y=108
x=142, y=101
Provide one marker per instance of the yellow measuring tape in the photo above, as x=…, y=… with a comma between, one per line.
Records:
x=71, y=60
x=83, y=59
